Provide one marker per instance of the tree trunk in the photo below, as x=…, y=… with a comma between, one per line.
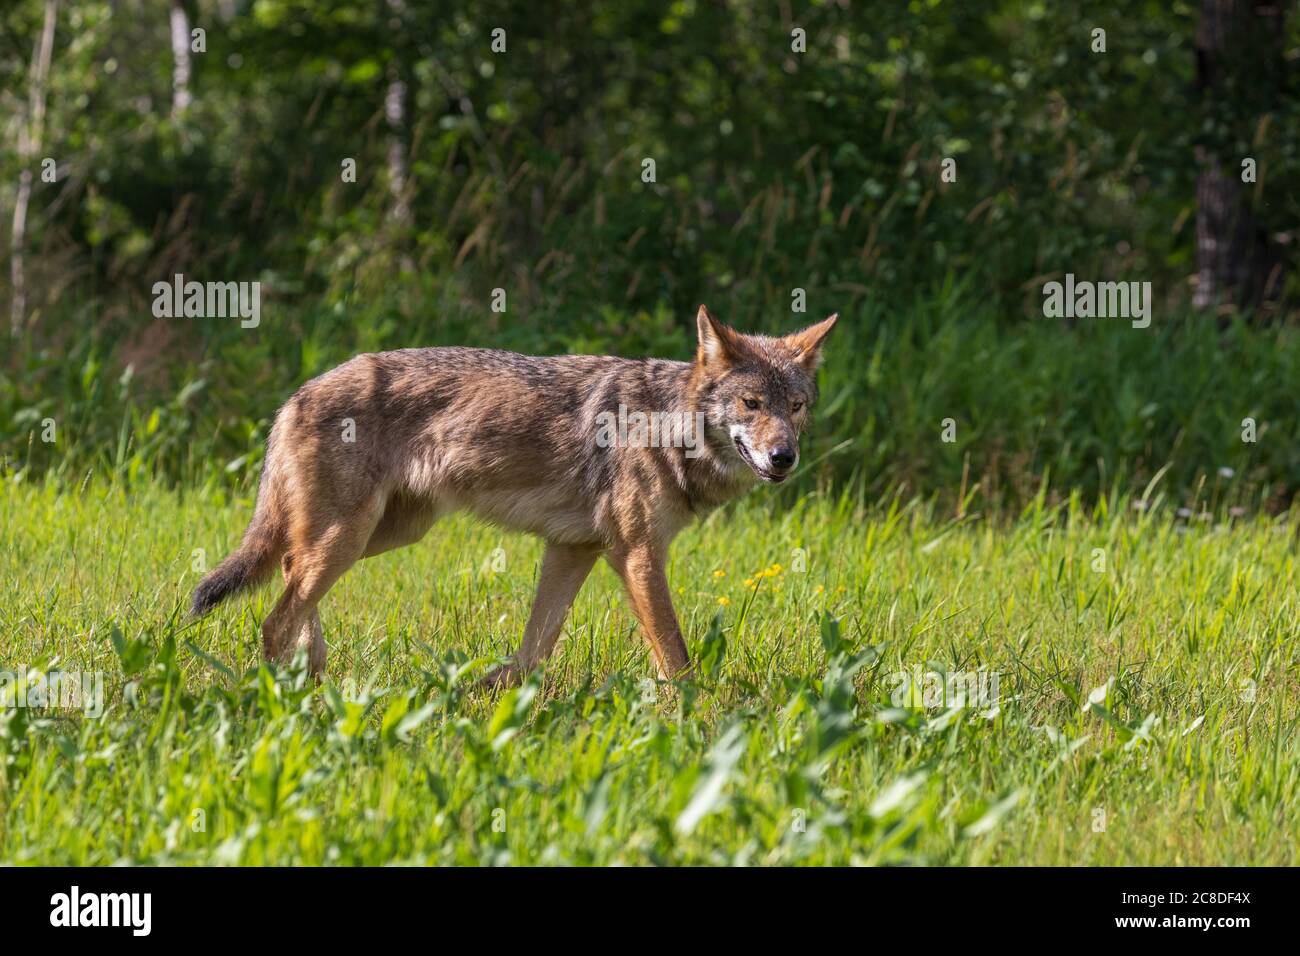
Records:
x=180, y=24
x=396, y=113
x=1239, y=62
x=30, y=134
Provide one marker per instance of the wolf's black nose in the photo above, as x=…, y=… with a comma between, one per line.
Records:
x=781, y=458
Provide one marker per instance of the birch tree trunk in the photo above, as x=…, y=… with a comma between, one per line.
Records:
x=180, y=24
x=396, y=113
x=30, y=134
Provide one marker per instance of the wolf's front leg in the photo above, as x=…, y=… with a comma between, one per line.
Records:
x=642, y=569
x=564, y=568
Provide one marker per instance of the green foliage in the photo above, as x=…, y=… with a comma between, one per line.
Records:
x=776, y=170
x=1092, y=408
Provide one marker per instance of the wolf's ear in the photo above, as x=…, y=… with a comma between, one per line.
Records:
x=719, y=345
x=807, y=343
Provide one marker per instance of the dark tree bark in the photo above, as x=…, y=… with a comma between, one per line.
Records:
x=1239, y=69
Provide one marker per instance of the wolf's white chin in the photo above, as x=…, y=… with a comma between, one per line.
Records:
x=738, y=437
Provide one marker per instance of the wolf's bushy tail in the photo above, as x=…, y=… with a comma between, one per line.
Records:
x=250, y=564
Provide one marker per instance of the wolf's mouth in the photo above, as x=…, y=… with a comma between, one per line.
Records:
x=763, y=473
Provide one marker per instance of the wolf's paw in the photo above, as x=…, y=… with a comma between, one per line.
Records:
x=503, y=678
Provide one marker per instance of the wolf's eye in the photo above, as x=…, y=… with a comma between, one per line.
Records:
x=751, y=403
x=796, y=406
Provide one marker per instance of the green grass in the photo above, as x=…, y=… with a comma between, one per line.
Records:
x=786, y=749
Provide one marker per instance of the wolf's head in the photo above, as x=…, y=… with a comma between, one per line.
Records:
x=756, y=392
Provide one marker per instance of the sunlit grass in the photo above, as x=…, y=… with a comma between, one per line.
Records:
x=786, y=748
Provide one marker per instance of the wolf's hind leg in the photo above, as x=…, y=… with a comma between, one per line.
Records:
x=311, y=566
x=564, y=568
x=405, y=521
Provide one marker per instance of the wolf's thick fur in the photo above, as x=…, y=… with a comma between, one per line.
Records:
x=367, y=456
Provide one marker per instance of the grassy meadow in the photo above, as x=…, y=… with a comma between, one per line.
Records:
x=1145, y=708
x=1092, y=521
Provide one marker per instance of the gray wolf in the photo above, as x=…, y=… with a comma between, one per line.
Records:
x=366, y=457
